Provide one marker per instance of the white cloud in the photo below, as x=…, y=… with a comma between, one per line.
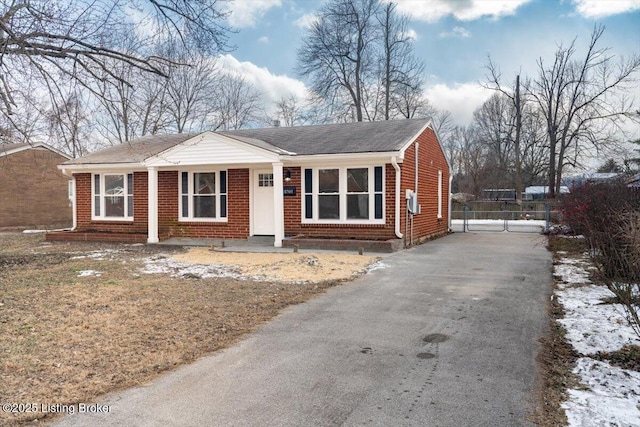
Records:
x=272, y=86
x=463, y=10
x=245, y=13
x=602, y=8
x=264, y=40
x=456, y=32
x=306, y=20
x=461, y=99
x=410, y=34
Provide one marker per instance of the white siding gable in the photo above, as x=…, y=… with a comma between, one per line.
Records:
x=212, y=149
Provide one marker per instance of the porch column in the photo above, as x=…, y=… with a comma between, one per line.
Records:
x=152, y=207
x=278, y=204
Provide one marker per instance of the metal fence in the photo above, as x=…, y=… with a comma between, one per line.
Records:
x=531, y=218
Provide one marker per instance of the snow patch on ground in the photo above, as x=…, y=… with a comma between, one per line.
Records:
x=612, y=395
x=378, y=265
x=100, y=255
x=572, y=272
x=613, y=398
x=160, y=264
x=88, y=273
x=591, y=325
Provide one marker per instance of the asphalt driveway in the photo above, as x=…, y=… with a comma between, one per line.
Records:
x=445, y=335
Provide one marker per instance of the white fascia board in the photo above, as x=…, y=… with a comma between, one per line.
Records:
x=164, y=159
x=102, y=167
x=333, y=159
x=412, y=140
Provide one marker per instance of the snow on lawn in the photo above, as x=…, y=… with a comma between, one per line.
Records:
x=100, y=255
x=88, y=273
x=162, y=264
x=612, y=397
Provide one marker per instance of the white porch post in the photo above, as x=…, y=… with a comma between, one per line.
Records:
x=152, y=213
x=278, y=204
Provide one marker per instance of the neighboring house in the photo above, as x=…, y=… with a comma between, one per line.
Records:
x=499, y=194
x=540, y=192
x=33, y=191
x=341, y=181
x=575, y=181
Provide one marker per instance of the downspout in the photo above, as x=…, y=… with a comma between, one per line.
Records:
x=450, y=181
x=74, y=213
x=394, y=162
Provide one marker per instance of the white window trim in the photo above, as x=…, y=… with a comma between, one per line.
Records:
x=217, y=194
x=102, y=216
x=343, y=195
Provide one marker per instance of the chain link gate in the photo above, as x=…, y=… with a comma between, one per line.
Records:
x=507, y=219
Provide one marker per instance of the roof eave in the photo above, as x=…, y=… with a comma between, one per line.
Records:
x=342, y=157
x=34, y=145
x=429, y=124
x=87, y=167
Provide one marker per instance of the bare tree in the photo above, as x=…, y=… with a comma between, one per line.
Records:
x=494, y=129
x=336, y=55
x=513, y=95
x=237, y=103
x=119, y=119
x=191, y=92
x=577, y=98
x=289, y=111
x=69, y=124
x=469, y=161
x=61, y=40
x=401, y=71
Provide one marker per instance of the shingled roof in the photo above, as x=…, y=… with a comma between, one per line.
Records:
x=343, y=138
x=134, y=151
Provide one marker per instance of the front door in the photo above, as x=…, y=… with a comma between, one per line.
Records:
x=263, y=218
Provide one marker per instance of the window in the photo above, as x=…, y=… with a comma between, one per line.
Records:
x=113, y=196
x=358, y=193
x=329, y=194
x=265, y=180
x=343, y=194
x=203, y=196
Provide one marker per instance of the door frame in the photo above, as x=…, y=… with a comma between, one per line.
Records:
x=254, y=176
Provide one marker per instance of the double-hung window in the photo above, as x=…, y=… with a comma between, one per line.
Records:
x=203, y=196
x=343, y=194
x=113, y=196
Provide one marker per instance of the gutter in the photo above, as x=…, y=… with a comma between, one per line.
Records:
x=450, y=181
x=394, y=162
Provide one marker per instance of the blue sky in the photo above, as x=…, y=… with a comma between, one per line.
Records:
x=453, y=38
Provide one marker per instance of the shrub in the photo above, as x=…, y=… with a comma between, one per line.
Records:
x=608, y=215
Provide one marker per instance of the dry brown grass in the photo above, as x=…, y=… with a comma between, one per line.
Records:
x=66, y=339
x=556, y=357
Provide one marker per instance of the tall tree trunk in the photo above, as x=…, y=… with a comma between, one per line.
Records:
x=517, y=142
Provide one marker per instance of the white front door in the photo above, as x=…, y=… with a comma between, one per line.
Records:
x=263, y=218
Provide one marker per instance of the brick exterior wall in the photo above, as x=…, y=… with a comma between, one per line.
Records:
x=33, y=192
x=236, y=227
x=293, y=215
x=431, y=159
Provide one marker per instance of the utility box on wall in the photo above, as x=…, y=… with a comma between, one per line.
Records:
x=412, y=202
